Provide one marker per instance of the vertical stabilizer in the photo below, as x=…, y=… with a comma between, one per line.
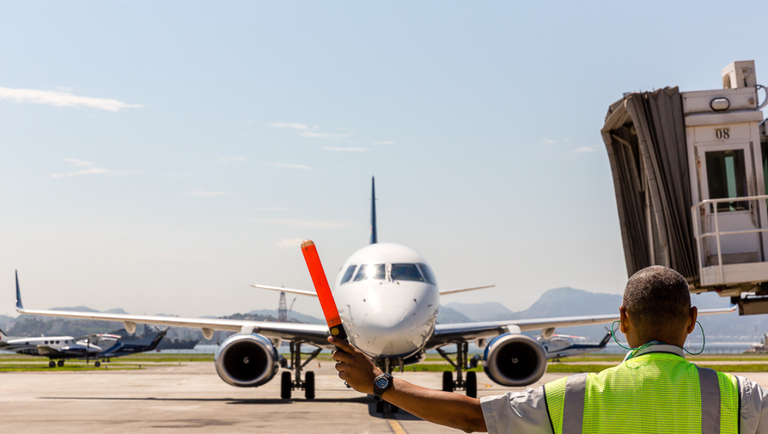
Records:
x=374, y=238
x=19, y=306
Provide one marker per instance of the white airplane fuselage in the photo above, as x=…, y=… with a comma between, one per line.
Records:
x=388, y=299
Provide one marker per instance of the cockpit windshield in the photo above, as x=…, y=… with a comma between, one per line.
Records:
x=348, y=274
x=370, y=271
x=428, y=276
x=406, y=272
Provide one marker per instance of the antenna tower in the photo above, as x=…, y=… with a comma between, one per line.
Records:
x=282, y=310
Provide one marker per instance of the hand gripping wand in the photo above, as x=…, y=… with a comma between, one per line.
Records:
x=323, y=291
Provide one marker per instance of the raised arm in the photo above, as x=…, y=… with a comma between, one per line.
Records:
x=444, y=408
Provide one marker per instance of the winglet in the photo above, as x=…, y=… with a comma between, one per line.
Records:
x=19, y=306
x=374, y=237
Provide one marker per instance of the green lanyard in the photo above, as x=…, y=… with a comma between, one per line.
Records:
x=648, y=344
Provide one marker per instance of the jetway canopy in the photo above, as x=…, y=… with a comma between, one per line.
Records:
x=644, y=134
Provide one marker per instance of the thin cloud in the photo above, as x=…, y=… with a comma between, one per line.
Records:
x=203, y=193
x=93, y=171
x=289, y=243
x=313, y=135
x=583, y=149
x=225, y=160
x=306, y=223
x=335, y=149
x=291, y=125
x=385, y=142
x=292, y=166
x=74, y=162
x=62, y=99
x=548, y=141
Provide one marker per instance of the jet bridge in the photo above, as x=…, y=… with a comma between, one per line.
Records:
x=689, y=171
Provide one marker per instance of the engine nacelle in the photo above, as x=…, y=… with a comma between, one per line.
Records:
x=514, y=360
x=246, y=360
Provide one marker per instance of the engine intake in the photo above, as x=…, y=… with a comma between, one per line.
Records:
x=246, y=360
x=514, y=360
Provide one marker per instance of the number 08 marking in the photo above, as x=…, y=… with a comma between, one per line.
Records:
x=722, y=133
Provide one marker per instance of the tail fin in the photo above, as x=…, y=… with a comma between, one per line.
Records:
x=374, y=238
x=19, y=306
x=605, y=340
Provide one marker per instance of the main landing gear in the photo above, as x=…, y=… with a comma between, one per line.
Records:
x=287, y=384
x=462, y=363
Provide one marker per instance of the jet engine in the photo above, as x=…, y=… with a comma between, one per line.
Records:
x=246, y=360
x=514, y=360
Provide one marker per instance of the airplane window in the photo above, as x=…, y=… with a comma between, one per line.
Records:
x=348, y=274
x=370, y=271
x=428, y=276
x=57, y=342
x=406, y=272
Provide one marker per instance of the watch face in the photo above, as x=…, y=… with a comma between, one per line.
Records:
x=382, y=383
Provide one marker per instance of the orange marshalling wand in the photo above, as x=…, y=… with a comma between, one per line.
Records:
x=323, y=290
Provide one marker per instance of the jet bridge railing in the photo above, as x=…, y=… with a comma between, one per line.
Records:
x=698, y=211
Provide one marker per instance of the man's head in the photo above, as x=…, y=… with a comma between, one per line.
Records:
x=658, y=303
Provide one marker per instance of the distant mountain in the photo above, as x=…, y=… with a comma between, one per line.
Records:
x=299, y=317
x=76, y=309
x=446, y=315
x=489, y=311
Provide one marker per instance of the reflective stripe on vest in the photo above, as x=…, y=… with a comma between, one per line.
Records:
x=719, y=400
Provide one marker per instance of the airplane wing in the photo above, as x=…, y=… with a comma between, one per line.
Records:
x=315, y=334
x=462, y=332
x=49, y=352
x=454, y=291
x=289, y=290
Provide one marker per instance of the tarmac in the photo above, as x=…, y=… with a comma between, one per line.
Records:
x=191, y=398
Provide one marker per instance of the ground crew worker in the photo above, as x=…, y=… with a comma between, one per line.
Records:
x=654, y=390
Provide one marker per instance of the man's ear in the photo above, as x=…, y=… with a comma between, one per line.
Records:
x=692, y=316
x=623, y=320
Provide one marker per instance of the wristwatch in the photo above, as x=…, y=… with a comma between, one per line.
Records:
x=381, y=384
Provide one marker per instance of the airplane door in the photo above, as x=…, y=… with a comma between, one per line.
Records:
x=727, y=171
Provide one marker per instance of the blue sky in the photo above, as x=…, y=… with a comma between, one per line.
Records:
x=163, y=157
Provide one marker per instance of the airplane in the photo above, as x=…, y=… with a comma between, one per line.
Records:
x=60, y=348
x=559, y=346
x=120, y=348
x=388, y=299
x=54, y=347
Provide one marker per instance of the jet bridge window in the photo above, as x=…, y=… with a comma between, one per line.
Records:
x=428, y=276
x=370, y=271
x=349, y=273
x=727, y=177
x=406, y=272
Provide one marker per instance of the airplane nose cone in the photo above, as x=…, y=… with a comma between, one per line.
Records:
x=388, y=319
x=390, y=330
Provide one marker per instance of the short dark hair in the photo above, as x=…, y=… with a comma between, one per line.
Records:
x=658, y=300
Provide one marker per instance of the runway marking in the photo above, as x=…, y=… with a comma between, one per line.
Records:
x=396, y=427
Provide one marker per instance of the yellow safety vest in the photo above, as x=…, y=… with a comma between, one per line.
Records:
x=655, y=392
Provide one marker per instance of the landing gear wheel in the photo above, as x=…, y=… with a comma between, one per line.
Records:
x=285, y=385
x=97, y=363
x=380, y=406
x=447, y=381
x=471, y=384
x=51, y=364
x=309, y=385
x=60, y=363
